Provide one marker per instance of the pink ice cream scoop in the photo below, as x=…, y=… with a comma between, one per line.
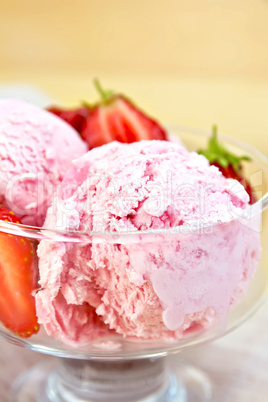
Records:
x=36, y=149
x=175, y=258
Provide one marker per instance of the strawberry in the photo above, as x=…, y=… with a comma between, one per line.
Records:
x=228, y=163
x=115, y=118
x=18, y=268
x=75, y=117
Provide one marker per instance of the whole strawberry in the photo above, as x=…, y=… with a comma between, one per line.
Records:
x=18, y=273
x=228, y=163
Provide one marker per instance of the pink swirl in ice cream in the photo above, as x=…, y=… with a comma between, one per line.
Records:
x=151, y=285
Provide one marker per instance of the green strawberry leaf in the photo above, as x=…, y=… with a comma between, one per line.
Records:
x=216, y=152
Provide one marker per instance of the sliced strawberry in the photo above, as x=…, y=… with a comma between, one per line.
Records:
x=75, y=117
x=18, y=278
x=115, y=118
x=228, y=163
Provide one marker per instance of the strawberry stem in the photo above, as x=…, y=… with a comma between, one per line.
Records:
x=219, y=154
x=104, y=93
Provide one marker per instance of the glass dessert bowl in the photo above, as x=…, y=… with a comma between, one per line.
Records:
x=204, y=305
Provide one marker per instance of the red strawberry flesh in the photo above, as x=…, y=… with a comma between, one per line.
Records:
x=75, y=117
x=18, y=271
x=119, y=120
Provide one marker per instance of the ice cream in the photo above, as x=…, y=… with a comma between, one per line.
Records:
x=145, y=279
x=36, y=149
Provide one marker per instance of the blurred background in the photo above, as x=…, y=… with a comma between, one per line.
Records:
x=190, y=62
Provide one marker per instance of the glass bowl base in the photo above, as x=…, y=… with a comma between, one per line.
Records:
x=144, y=380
